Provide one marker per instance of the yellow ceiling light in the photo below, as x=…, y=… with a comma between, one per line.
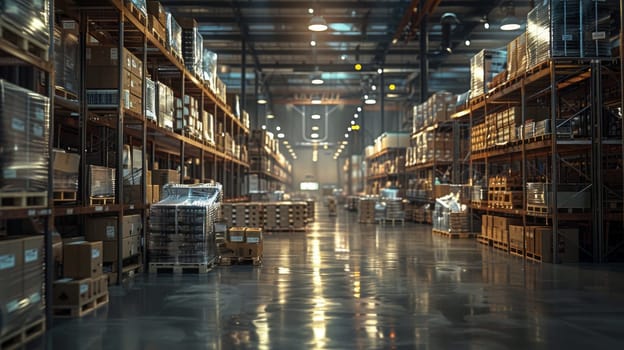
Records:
x=392, y=87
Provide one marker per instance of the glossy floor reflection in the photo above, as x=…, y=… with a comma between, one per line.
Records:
x=343, y=285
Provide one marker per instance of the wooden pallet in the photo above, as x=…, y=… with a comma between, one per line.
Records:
x=181, y=268
x=284, y=229
x=63, y=93
x=11, y=34
x=22, y=336
x=65, y=196
x=476, y=100
x=500, y=245
x=384, y=221
x=16, y=200
x=131, y=266
x=533, y=257
x=516, y=251
x=136, y=12
x=484, y=240
x=454, y=235
x=101, y=200
x=231, y=260
x=76, y=311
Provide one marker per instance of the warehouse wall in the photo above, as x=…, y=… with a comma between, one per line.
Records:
x=324, y=171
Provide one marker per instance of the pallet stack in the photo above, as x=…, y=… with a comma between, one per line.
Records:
x=242, y=244
x=271, y=216
x=366, y=210
x=84, y=287
x=394, y=210
x=331, y=206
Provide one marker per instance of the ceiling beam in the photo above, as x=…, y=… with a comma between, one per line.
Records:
x=276, y=4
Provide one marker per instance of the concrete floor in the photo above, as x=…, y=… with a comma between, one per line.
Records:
x=343, y=285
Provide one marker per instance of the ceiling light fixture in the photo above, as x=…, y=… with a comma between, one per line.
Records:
x=263, y=127
x=310, y=10
x=278, y=128
x=346, y=136
x=317, y=79
x=270, y=115
x=314, y=135
x=316, y=101
x=394, y=41
x=317, y=24
x=262, y=100
x=369, y=100
x=312, y=43
x=281, y=135
x=315, y=128
x=349, y=129
x=510, y=22
x=343, y=57
x=353, y=122
x=315, y=116
x=467, y=42
x=355, y=115
x=357, y=67
x=374, y=87
x=486, y=25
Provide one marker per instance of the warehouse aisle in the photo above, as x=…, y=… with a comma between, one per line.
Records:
x=343, y=285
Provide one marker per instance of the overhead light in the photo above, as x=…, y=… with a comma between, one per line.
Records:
x=316, y=101
x=447, y=20
x=359, y=109
x=317, y=79
x=392, y=87
x=395, y=40
x=392, y=95
x=270, y=115
x=510, y=22
x=349, y=129
x=325, y=146
x=312, y=42
x=315, y=116
x=355, y=115
x=346, y=136
x=355, y=127
x=262, y=100
x=345, y=142
x=467, y=42
x=314, y=135
x=357, y=67
x=317, y=24
x=280, y=135
x=310, y=10
x=374, y=87
x=263, y=127
x=353, y=122
x=379, y=70
x=370, y=100
x=343, y=57
x=315, y=128
x=285, y=142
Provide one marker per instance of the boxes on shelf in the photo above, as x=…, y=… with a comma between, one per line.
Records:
x=24, y=136
x=539, y=244
x=174, y=35
x=109, y=98
x=66, y=56
x=165, y=106
x=156, y=9
x=150, y=100
x=573, y=196
x=568, y=28
x=192, y=46
x=209, y=69
x=163, y=177
x=517, y=59
x=483, y=67
x=101, y=181
x=108, y=56
x=66, y=168
x=23, y=14
x=139, y=5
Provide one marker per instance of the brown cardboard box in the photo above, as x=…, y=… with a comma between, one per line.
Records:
x=99, y=285
x=130, y=247
x=236, y=235
x=33, y=263
x=109, y=56
x=249, y=250
x=105, y=228
x=107, y=77
x=11, y=260
x=69, y=291
x=568, y=240
x=156, y=9
x=82, y=259
x=65, y=162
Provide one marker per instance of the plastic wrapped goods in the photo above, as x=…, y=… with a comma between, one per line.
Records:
x=181, y=225
x=174, y=35
x=209, y=68
x=30, y=17
x=101, y=181
x=24, y=136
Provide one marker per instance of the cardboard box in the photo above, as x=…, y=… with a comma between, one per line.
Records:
x=71, y=292
x=82, y=259
x=158, y=11
x=107, y=77
x=65, y=162
x=236, y=235
x=11, y=260
x=130, y=247
x=105, y=228
x=568, y=240
x=109, y=56
x=248, y=250
x=33, y=266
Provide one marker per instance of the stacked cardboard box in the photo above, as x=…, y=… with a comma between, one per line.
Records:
x=84, y=287
x=517, y=56
x=105, y=229
x=66, y=169
x=165, y=106
x=437, y=109
x=102, y=79
x=157, y=19
x=174, y=35
x=366, y=210
x=21, y=278
x=243, y=243
x=101, y=181
x=540, y=244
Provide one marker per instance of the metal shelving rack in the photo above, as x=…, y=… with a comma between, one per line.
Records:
x=397, y=177
x=555, y=83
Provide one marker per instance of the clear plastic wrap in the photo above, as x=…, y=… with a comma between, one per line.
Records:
x=209, y=68
x=31, y=17
x=66, y=167
x=193, y=50
x=101, y=181
x=174, y=35
x=150, y=100
x=140, y=5
x=181, y=225
x=484, y=66
x=24, y=136
x=165, y=106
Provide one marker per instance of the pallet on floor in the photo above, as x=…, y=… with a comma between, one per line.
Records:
x=500, y=245
x=180, y=268
x=76, y=311
x=22, y=336
x=533, y=257
x=64, y=196
x=17, y=200
x=284, y=229
x=101, y=200
x=454, y=235
x=231, y=260
x=517, y=251
x=484, y=240
x=127, y=271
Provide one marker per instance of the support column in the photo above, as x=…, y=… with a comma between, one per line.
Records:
x=243, y=96
x=596, y=166
x=120, y=140
x=422, y=55
x=382, y=102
